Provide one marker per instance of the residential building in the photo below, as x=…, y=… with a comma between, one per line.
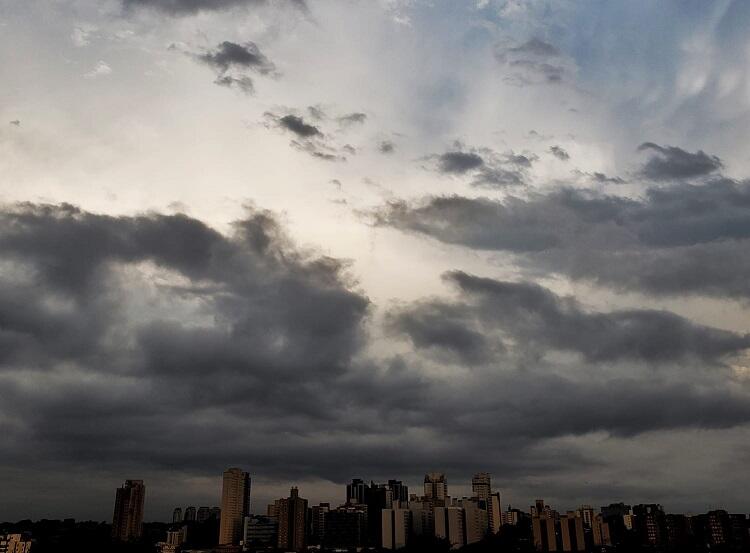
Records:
x=127, y=522
x=481, y=486
x=450, y=525
x=395, y=528
x=235, y=505
x=292, y=522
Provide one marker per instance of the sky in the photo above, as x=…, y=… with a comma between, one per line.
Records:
x=327, y=239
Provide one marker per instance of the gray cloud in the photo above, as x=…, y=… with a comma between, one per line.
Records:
x=298, y=126
x=537, y=317
x=352, y=118
x=534, y=62
x=152, y=343
x=232, y=55
x=245, y=83
x=185, y=7
x=560, y=153
x=386, y=147
x=488, y=168
x=233, y=64
x=670, y=162
x=537, y=47
x=310, y=138
x=459, y=162
x=675, y=240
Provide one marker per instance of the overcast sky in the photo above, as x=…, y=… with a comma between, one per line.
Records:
x=327, y=239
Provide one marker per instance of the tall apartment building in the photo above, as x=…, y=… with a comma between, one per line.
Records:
x=346, y=527
x=190, y=514
x=356, y=492
x=395, y=528
x=235, y=505
x=435, y=487
x=494, y=513
x=204, y=513
x=399, y=491
x=261, y=531
x=317, y=525
x=572, y=533
x=177, y=515
x=292, y=522
x=476, y=520
x=127, y=522
x=544, y=528
x=481, y=486
x=450, y=525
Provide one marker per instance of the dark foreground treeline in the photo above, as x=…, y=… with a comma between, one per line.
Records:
x=64, y=536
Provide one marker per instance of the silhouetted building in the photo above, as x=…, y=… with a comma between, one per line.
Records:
x=260, y=532
x=235, y=505
x=177, y=515
x=600, y=534
x=435, y=487
x=127, y=522
x=317, y=524
x=204, y=513
x=214, y=513
x=346, y=527
x=614, y=516
x=292, y=522
x=356, y=492
x=422, y=518
x=678, y=532
x=399, y=491
x=190, y=514
x=650, y=522
x=379, y=497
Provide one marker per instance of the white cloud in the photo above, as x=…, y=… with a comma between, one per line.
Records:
x=101, y=69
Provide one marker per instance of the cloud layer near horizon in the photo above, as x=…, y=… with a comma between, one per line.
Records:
x=399, y=236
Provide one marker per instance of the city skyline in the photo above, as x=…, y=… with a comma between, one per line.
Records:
x=324, y=239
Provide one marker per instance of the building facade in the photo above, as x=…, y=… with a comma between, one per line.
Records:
x=292, y=522
x=235, y=505
x=127, y=521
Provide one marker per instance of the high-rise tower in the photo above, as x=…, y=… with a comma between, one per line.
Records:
x=127, y=522
x=235, y=505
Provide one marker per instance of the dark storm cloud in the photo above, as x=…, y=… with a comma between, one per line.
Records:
x=310, y=138
x=602, y=178
x=141, y=344
x=184, y=7
x=232, y=55
x=233, y=63
x=670, y=162
x=536, y=316
x=459, y=162
x=533, y=62
x=674, y=240
x=488, y=168
x=560, y=153
x=298, y=126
